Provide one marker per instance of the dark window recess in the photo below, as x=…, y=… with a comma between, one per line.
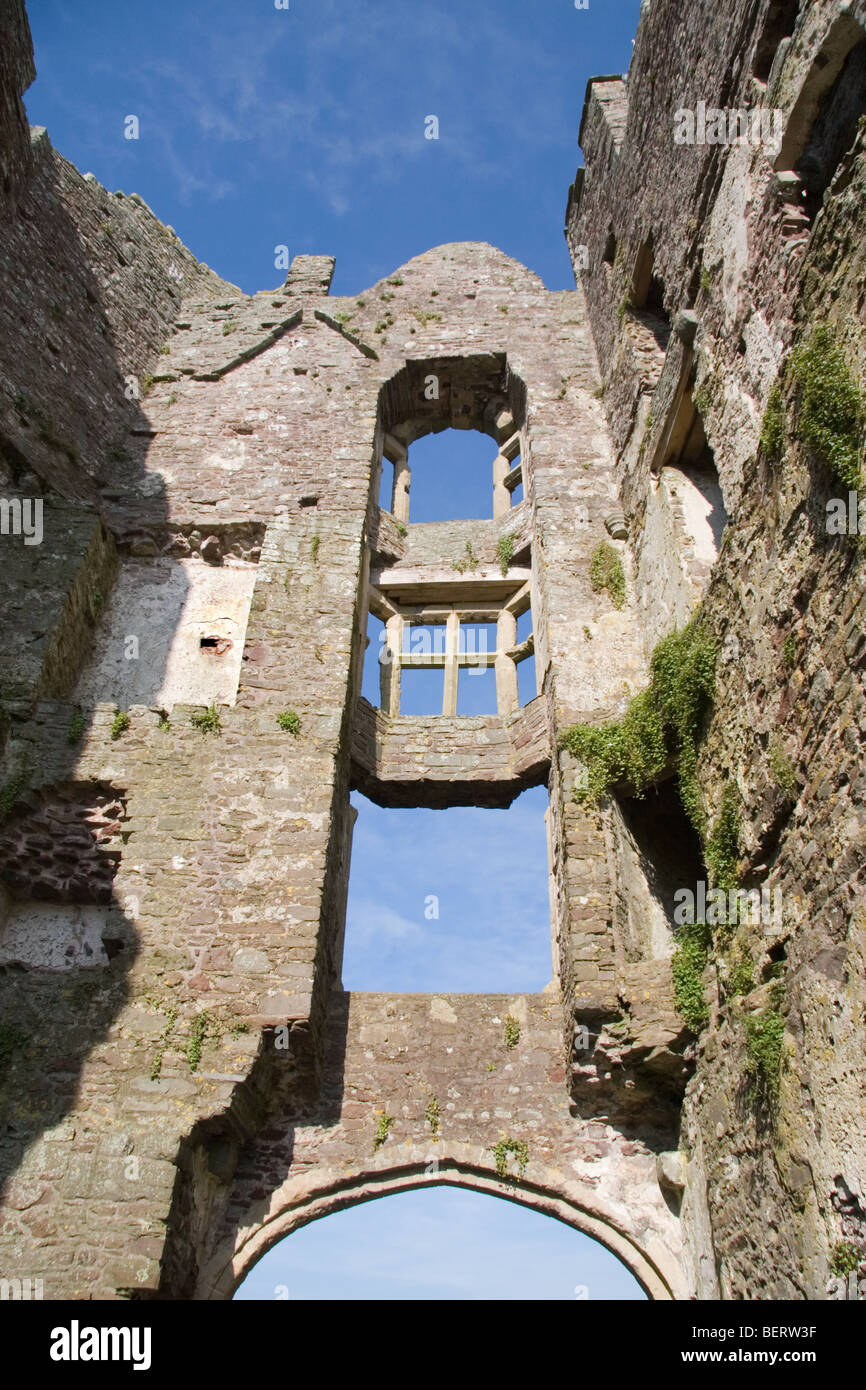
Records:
x=609, y=249
x=779, y=24
x=218, y=645
x=834, y=131
x=647, y=296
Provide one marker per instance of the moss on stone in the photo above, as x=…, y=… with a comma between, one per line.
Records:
x=661, y=725
x=831, y=410
x=773, y=426
x=606, y=573
x=764, y=1034
x=723, y=845
x=687, y=967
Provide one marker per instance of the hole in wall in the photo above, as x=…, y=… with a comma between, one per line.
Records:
x=779, y=24
x=691, y=475
x=834, y=131
x=647, y=298
x=217, y=645
x=452, y=900
x=527, y=680
x=373, y=653
x=823, y=124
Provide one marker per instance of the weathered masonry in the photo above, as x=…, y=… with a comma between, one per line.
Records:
x=184, y=1079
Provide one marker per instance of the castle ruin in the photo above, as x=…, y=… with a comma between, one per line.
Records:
x=184, y=1079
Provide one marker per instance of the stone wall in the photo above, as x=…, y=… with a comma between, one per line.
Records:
x=185, y=1080
x=773, y=1189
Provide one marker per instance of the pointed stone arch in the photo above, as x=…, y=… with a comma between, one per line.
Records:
x=549, y=1193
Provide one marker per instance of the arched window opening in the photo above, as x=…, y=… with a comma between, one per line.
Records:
x=823, y=125
x=690, y=473
x=646, y=302
x=779, y=24
x=834, y=131
x=439, y=1243
x=439, y=901
x=453, y=475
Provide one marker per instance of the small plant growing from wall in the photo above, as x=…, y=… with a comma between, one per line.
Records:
x=76, y=728
x=741, y=973
x=773, y=426
x=789, y=651
x=517, y=1149
x=782, y=769
x=171, y=1020
x=662, y=725
x=505, y=552
x=764, y=1037
x=723, y=845
x=512, y=1031
x=844, y=1258
x=384, y=1125
x=120, y=723
x=315, y=543
x=164, y=723
x=197, y=1034
x=432, y=1116
x=468, y=561
x=687, y=967
x=606, y=572
x=10, y=792
x=206, y=721
x=831, y=407
x=289, y=722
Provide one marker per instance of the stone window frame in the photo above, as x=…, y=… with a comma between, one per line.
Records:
x=467, y=602
x=507, y=475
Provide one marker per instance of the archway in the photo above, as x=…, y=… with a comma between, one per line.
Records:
x=654, y=1266
x=442, y=1243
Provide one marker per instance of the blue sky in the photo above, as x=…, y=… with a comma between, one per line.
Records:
x=487, y=871
x=474, y=1247
x=305, y=127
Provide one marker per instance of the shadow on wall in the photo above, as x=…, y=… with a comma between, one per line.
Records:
x=66, y=943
